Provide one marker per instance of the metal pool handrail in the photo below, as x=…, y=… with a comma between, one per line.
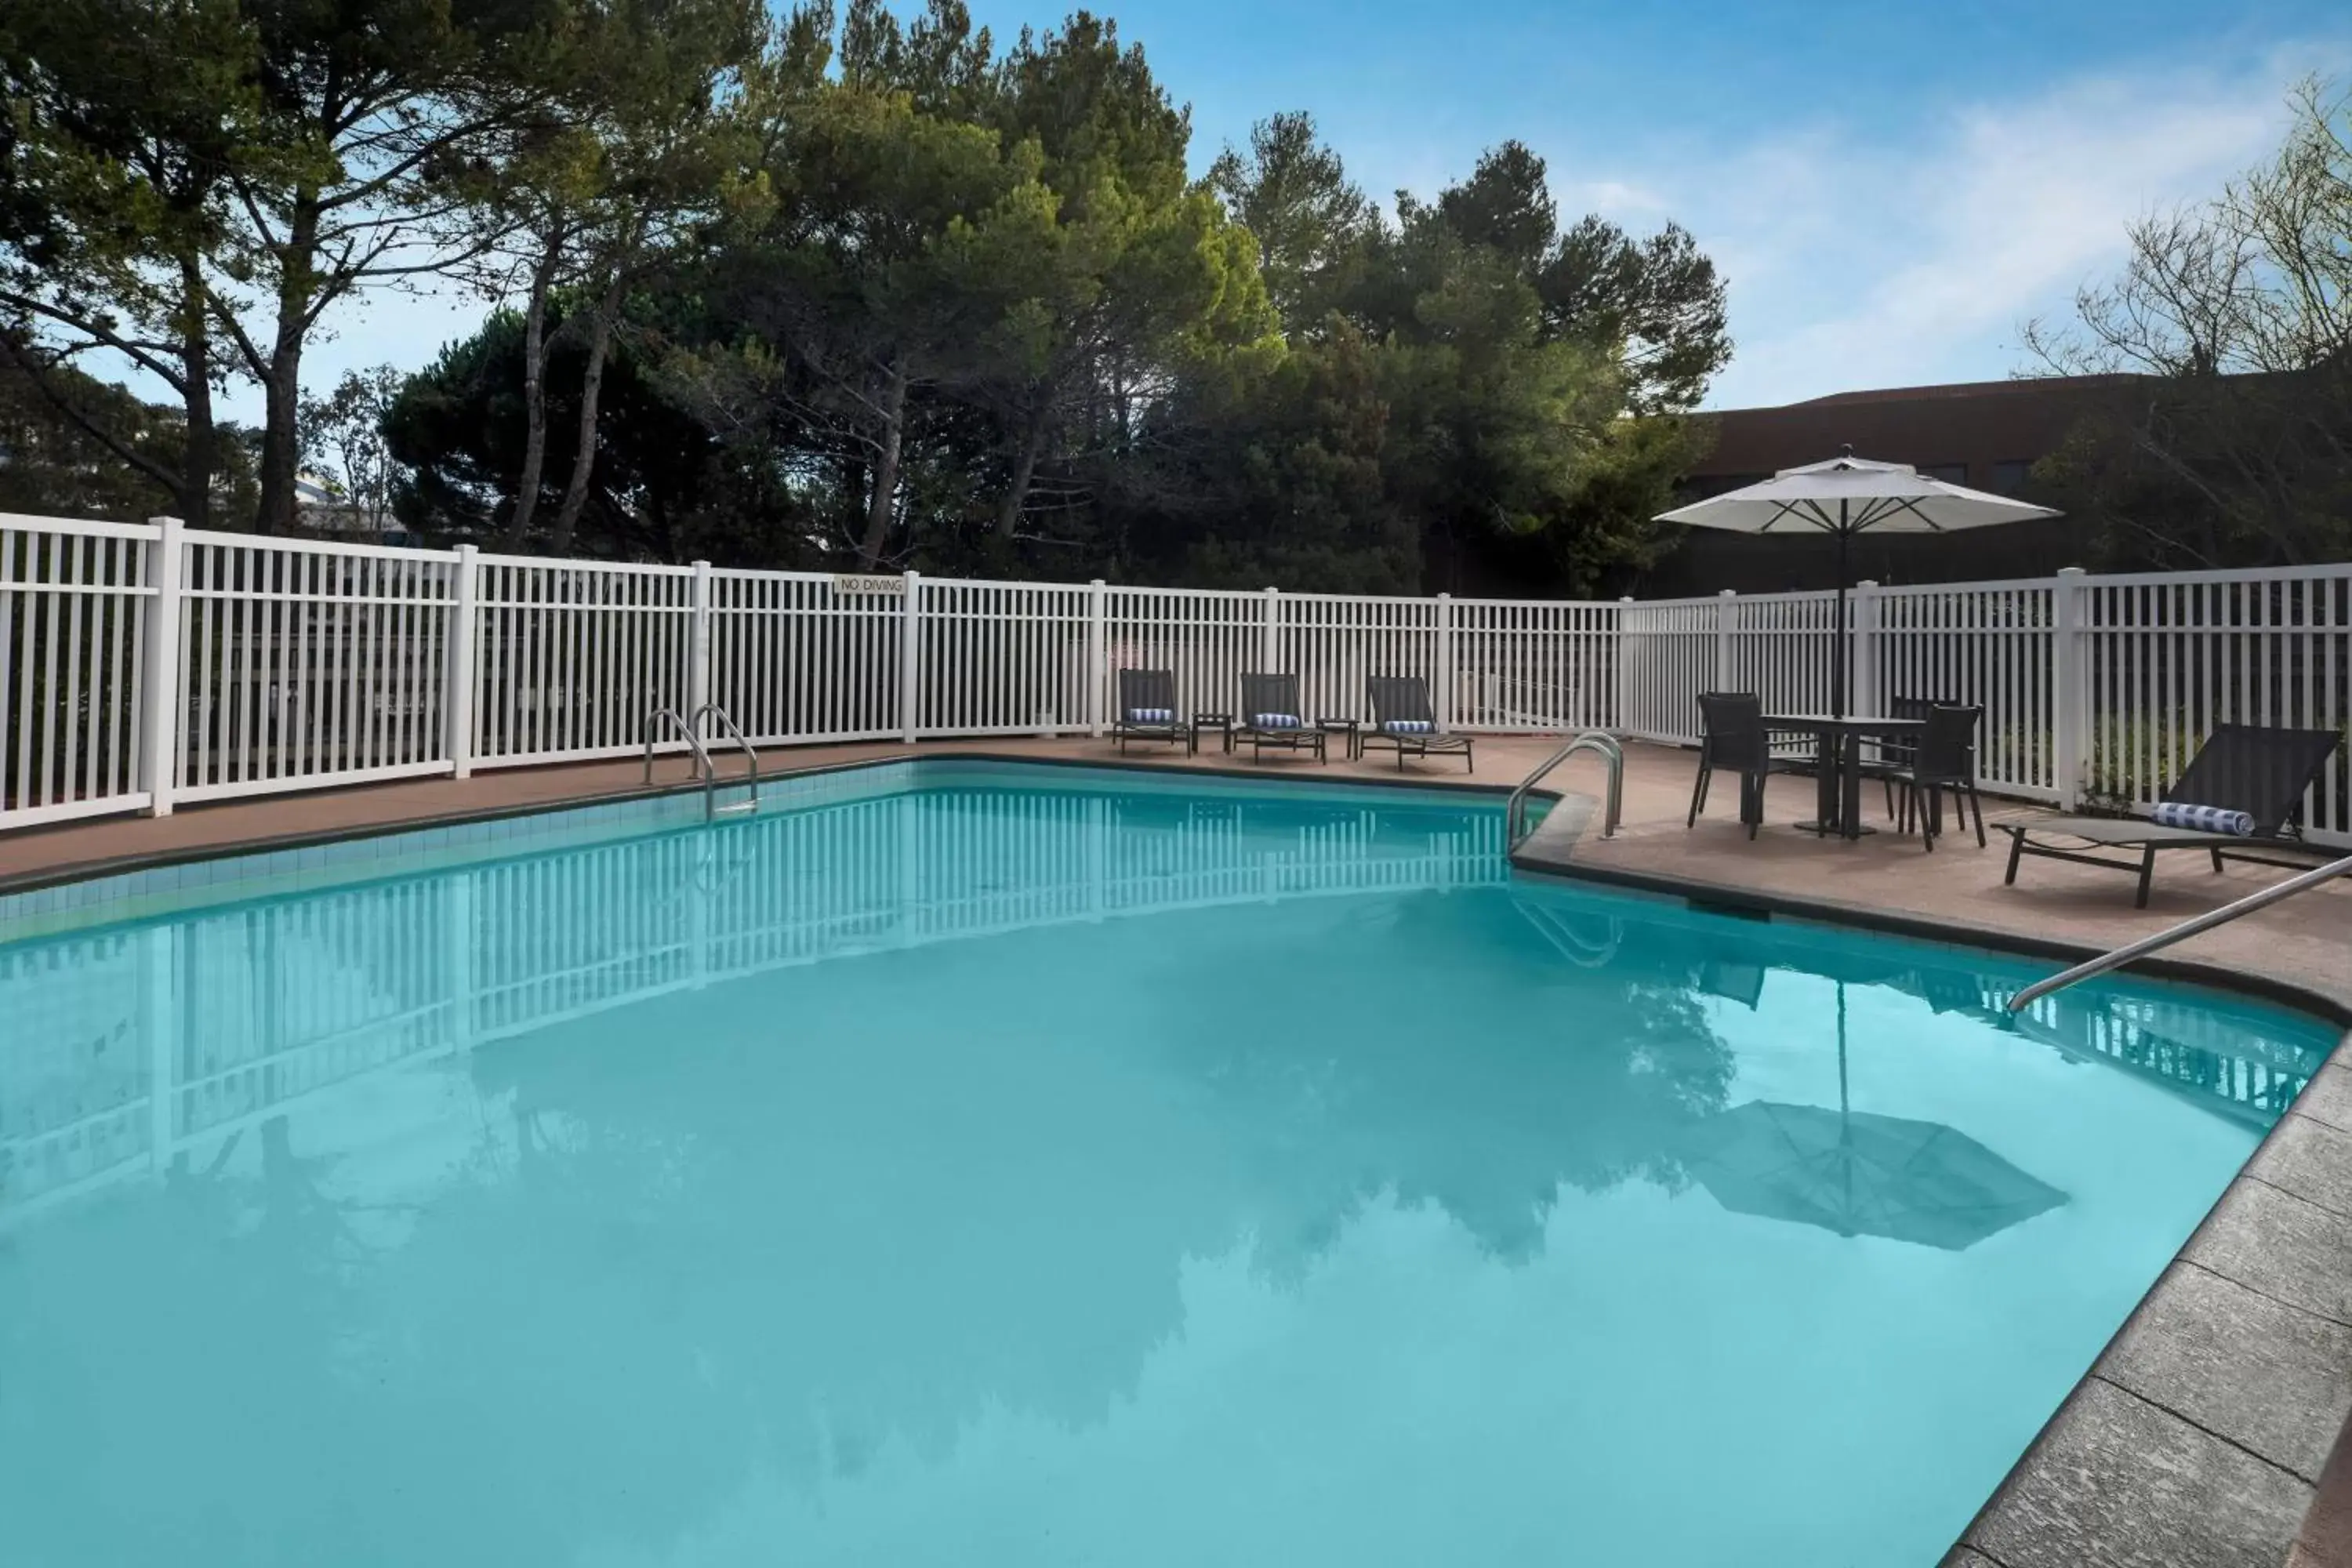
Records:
x=750, y=757
x=1514, y=815
x=2186, y=929
x=703, y=768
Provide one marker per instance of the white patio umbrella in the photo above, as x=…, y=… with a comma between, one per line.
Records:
x=1846, y=496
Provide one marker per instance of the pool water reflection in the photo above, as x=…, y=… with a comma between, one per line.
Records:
x=994, y=1174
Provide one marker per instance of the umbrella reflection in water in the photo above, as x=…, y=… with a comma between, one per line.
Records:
x=1859, y=1173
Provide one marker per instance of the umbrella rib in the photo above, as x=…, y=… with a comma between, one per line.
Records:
x=1903, y=504
x=1809, y=509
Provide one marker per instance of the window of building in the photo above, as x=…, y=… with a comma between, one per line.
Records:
x=2009, y=475
x=1950, y=473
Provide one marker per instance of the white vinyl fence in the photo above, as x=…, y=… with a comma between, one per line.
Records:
x=146, y=663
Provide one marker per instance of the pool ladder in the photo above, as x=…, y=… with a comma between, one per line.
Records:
x=704, y=768
x=1514, y=815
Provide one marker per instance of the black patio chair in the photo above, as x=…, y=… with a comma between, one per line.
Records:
x=1940, y=757
x=1147, y=709
x=1890, y=755
x=1272, y=715
x=1402, y=717
x=1732, y=737
x=2260, y=770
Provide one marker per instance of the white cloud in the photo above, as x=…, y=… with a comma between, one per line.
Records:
x=1858, y=260
x=1617, y=199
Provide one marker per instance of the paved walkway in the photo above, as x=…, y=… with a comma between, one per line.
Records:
x=2304, y=943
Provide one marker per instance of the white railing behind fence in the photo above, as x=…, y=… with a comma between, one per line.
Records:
x=145, y=663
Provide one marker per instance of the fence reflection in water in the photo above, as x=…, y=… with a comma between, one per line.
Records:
x=129, y=1048
x=132, y=1048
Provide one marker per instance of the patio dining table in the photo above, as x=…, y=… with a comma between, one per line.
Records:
x=1838, y=803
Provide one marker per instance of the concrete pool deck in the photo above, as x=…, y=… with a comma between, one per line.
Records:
x=2203, y=1432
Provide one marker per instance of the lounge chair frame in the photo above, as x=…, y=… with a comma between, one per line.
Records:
x=1404, y=699
x=2261, y=770
x=1151, y=688
x=1264, y=693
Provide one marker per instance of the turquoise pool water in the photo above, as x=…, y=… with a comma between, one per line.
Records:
x=975, y=1166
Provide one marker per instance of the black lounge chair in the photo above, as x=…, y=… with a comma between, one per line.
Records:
x=1272, y=715
x=1732, y=736
x=2256, y=769
x=1147, y=709
x=1403, y=718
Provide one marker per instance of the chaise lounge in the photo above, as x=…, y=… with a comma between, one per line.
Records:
x=2245, y=785
x=1403, y=718
x=1272, y=715
x=1147, y=709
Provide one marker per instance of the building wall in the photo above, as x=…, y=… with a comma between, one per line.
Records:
x=1984, y=434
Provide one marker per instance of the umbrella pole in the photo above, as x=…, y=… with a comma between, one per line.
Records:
x=1840, y=653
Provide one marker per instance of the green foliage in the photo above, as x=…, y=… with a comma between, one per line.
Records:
x=848, y=286
x=1314, y=229
x=662, y=489
x=124, y=123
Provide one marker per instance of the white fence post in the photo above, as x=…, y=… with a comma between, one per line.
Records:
x=698, y=649
x=457, y=704
x=1270, y=643
x=1624, y=672
x=2069, y=722
x=1443, y=676
x=910, y=667
x=1726, y=625
x=161, y=709
x=1862, y=674
x=1098, y=655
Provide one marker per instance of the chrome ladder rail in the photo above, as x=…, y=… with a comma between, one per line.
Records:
x=704, y=768
x=2262, y=898
x=1514, y=815
x=750, y=757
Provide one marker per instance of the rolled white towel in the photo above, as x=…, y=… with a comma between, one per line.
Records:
x=2203, y=818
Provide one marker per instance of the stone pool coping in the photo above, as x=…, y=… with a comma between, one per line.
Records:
x=2200, y=1433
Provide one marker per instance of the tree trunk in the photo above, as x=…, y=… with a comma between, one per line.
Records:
x=591, y=383
x=1024, y=469
x=194, y=494
x=886, y=470
x=534, y=396
x=281, y=380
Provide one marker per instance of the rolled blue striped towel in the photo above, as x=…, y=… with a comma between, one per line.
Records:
x=1409, y=726
x=2203, y=818
x=1275, y=720
x=1151, y=715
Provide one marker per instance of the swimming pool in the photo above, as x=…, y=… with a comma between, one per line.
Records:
x=976, y=1164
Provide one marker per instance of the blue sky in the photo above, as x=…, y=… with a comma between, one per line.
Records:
x=1890, y=188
